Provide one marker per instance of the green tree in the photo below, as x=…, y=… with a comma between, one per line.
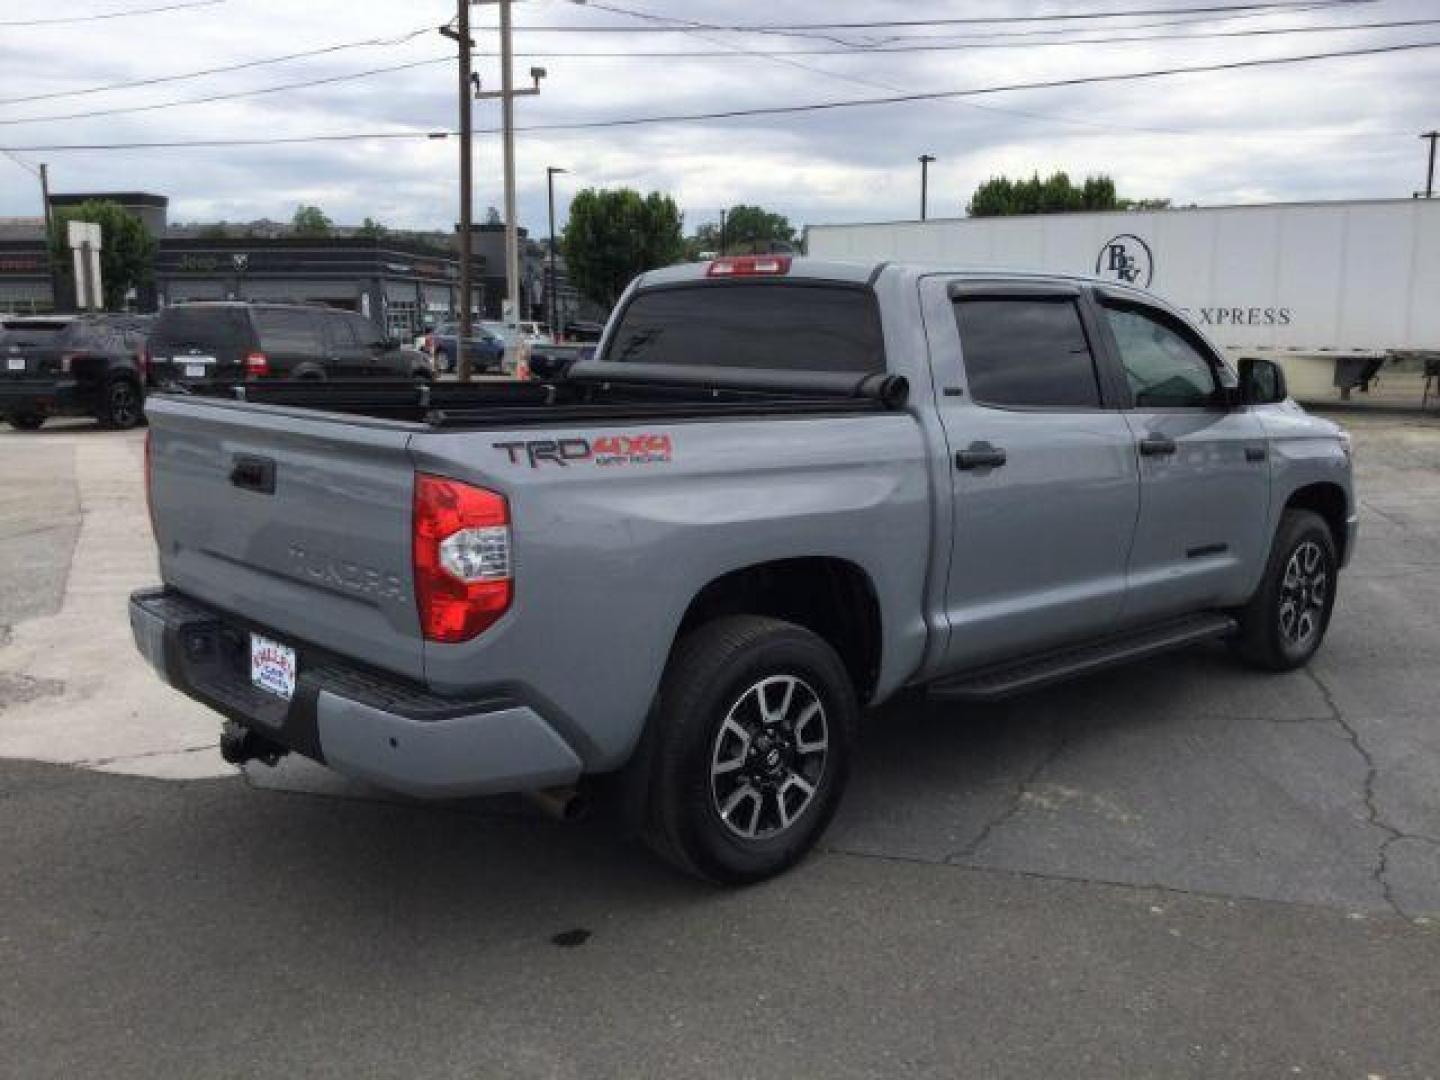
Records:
x=612, y=235
x=1056, y=194
x=310, y=221
x=748, y=230
x=371, y=229
x=127, y=251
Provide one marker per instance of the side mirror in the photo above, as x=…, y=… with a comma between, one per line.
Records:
x=1262, y=382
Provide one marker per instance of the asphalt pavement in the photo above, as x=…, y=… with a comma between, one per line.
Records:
x=1181, y=868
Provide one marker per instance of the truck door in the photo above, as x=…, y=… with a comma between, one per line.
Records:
x=1042, y=466
x=1204, y=477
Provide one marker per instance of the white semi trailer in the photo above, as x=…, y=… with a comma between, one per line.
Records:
x=1344, y=294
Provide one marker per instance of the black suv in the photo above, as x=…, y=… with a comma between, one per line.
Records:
x=72, y=365
x=212, y=345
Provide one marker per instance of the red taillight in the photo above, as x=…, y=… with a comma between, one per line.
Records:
x=461, y=538
x=142, y=364
x=257, y=365
x=150, y=484
x=749, y=266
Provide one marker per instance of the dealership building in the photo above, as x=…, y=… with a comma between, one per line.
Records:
x=404, y=282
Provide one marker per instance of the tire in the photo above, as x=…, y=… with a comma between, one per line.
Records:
x=1284, y=622
x=123, y=406
x=26, y=421
x=710, y=723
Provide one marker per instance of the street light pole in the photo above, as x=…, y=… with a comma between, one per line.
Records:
x=550, y=171
x=722, y=232
x=925, y=160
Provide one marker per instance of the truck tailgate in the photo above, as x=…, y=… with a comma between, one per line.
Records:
x=297, y=521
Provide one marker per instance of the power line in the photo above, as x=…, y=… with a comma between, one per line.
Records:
x=776, y=110
x=764, y=28
x=889, y=49
x=31, y=169
x=409, y=35
x=112, y=14
x=942, y=95
x=783, y=57
x=874, y=84
x=157, y=80
x=230, y=96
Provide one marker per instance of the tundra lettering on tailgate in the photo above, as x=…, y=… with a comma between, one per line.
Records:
x=603, y=450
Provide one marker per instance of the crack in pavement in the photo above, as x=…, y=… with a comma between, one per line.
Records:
x=1381, y=872
x=91, y=763
x=1017, y=800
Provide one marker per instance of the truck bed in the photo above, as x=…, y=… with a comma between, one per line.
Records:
x=599, y=392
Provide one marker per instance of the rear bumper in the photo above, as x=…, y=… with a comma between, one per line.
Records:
x=41, y=395
x=360, y=723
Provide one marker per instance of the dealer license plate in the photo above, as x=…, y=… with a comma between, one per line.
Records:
x=272, y=666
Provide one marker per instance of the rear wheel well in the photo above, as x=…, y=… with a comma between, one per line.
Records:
x=831, y=597
x=1327, y=500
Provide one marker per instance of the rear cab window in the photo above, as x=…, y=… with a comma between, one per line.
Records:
x=1027, y=352
x=774, y=326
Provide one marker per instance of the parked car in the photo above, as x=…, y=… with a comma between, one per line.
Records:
x=784, y=491
x=550, y=362
x=208, y=345
x=530, y=333
x=487, y=352
x=584, y=331
x=72, y=365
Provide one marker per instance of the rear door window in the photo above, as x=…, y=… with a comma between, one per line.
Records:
x=780, y=327
x=295, y=332
x=213, y=328
x=1027, y=353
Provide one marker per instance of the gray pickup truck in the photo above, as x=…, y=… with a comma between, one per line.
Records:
x=781, y=492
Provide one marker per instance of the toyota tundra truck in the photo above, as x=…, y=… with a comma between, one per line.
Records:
x=781, y=492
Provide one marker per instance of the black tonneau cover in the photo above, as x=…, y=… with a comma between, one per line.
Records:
x=592, y=391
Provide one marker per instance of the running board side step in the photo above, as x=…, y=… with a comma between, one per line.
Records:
x=1032, y=672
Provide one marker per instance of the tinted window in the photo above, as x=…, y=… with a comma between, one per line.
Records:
x=1164, y=369
x=1027, y=353
x=35, y=332
x=787, y=327
x=284, y=331
x=204, y=327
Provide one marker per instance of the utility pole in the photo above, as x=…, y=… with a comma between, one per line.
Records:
x=550, y=171
x=507, y=96
x=461, y=35
x=925, y=160
x=49, y=232
x=722, y=232
x=1429, y=174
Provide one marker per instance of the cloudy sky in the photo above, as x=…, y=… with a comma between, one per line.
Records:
x=1339, y=128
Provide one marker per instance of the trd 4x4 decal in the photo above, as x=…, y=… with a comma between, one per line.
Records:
x=603, y=450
